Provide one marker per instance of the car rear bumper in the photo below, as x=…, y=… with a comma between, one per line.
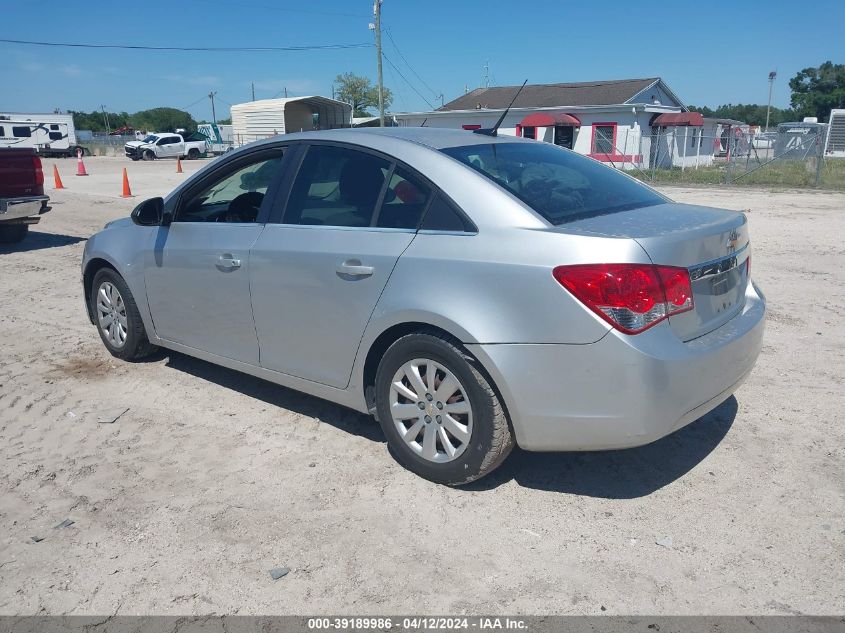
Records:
x=622, y=391
x=17, y=208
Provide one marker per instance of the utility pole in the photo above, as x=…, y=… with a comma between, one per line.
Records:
x=772, y=76
x=377, y=12
x=253, y=91
x=487, y=74
x=106, y=119
x=213, y=113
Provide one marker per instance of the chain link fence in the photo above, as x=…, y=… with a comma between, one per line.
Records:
x=792, y=156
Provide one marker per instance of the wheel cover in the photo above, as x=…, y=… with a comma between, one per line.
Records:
x=111, y=314
x=431, y=410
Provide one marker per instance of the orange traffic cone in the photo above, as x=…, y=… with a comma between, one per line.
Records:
x=56, y=178
x=179, y=165
x=127, y=192
x=80, y=166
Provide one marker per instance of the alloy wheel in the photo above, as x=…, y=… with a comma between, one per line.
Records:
x=111, y=314
x=431, y=410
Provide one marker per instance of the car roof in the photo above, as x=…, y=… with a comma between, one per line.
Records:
x=432, y=137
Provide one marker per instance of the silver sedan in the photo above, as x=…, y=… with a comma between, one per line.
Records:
x=470, y=292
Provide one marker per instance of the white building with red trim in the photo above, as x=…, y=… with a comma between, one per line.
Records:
x=629, y=123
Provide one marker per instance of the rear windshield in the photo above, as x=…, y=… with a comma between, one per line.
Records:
x=558, y=184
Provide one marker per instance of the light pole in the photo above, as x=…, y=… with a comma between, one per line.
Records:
x=772, y=76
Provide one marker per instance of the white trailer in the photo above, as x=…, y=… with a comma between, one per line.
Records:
x=47, y=134
x=262, y=119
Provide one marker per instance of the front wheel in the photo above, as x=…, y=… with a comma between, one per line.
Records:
x=118, y=320
x=442, y=418
x=149, y=155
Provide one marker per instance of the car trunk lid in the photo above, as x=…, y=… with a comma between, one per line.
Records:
x=711, y=243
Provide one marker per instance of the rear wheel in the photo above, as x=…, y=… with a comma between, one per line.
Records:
x=442, y=418
x=13, y=233
x=116, y=315
x=193, y=153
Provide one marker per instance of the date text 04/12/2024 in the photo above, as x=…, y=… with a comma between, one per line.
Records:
x=417, y=623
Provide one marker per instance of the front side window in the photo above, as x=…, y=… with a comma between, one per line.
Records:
x=235, y=197
x=21, y=131
x=603, y=137
x=336, y=186
x=558, y=184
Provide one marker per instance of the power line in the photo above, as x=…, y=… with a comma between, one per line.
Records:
x=407, y=63
x=419, y=94
x=211, y=49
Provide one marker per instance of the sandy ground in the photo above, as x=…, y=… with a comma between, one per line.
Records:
x=211, y=478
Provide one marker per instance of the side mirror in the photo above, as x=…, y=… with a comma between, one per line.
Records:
x=149, y=212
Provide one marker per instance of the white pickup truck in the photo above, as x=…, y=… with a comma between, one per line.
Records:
x=166, y=145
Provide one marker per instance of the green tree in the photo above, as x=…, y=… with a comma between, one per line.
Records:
x=163, y=120
x=816, y=91
x=360, y=93
x=752, y=113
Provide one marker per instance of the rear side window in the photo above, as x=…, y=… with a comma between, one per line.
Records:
x=442, y=216
x=558, y=184
x=404, y=201
x=21, y=131
x=336, y=186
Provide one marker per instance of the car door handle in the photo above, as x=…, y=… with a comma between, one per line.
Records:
x=353, y=268
x=227, y=262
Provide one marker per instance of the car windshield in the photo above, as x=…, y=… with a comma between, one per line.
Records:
x=558, y=184
x=152, y=138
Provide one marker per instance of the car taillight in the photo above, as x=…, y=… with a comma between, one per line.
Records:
x=39, y=172
x=631, y=297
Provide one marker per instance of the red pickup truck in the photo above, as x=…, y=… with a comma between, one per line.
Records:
x=22, y=199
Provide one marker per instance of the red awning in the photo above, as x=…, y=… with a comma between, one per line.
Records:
x=549, y=119
x=678, y=118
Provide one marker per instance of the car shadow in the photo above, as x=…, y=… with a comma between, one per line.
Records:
x=619, y=474
x=36, y=240
x=275, y=395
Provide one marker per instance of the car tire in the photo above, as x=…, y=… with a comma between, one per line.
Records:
x=149, y=155
x=193, y=154
x=13, y=233
x=485, y=426
x=134, y=158
x=128, y=339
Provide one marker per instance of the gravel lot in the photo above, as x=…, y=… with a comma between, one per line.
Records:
x=212, y=478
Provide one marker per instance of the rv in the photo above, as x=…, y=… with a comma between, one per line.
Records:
x=47, y=134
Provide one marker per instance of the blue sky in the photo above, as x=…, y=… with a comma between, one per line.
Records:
x=709, y=54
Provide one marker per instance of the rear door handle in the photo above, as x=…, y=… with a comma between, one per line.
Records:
x=353, y=268
x=227, y=262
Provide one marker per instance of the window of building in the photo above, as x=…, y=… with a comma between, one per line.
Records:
x=336, y=186
x=529, y=132
x=604, y=137
x=21, y=131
